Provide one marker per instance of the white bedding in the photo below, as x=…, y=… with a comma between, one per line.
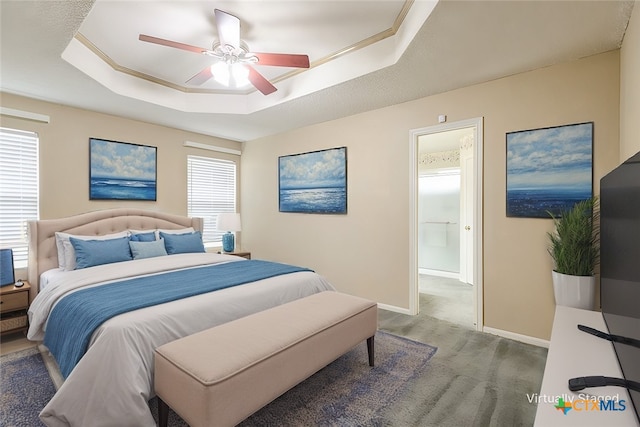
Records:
x=48, y=276
x=112, y=383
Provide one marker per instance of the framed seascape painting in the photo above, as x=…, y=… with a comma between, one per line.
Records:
x=549, y=169
x=121, y=171
x=314, y=182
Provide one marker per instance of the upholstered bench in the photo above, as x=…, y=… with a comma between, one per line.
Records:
x=220, y=376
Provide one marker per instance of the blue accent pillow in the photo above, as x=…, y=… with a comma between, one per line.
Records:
x=183, y=243
x=97, y=252
x=144, y=249
x=144, y=237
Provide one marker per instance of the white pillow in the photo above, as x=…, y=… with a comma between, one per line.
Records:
x=150, y=230
x=66, y=253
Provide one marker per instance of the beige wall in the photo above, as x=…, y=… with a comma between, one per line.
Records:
x=64, y=156
x=630, y=87
x=366, y=252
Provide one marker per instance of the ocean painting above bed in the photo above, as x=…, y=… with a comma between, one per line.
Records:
x=176, y=297
x=121, y=171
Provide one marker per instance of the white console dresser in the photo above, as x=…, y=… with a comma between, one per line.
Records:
x=573, y=353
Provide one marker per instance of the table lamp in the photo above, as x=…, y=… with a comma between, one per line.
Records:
x=229, y=222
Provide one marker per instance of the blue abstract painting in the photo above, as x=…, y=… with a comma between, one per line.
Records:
x=314, y=182
x=549, y=170
x=121, y=171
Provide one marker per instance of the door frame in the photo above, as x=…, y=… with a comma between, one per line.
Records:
x=414, y=299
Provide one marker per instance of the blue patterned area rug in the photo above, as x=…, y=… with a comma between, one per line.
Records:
x=346, y=393
x=25, y=388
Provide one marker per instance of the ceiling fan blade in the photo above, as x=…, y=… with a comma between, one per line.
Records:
x=260, y=82
x=228, y=28
x=282, y=59
x=170, y=43
x=201, y=77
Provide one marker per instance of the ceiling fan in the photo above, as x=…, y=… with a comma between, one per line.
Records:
x=235, y=61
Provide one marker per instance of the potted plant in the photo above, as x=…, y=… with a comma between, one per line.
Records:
x=575, y=249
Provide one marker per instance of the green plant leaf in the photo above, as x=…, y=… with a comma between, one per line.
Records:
x=574, y=244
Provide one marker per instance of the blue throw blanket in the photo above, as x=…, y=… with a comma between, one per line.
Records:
x=76, y=316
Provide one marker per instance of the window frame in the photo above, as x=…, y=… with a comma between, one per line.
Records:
x=20, y=199
x=221, y=174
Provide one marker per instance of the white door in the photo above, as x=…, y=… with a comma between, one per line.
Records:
x=466, y=212
x=472, y=218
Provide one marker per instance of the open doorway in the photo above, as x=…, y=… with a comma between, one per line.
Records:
x=446, y=218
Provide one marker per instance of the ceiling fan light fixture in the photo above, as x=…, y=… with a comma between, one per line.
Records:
x=233, y=74
x=220, y=71
x=240, y=75
x=235, y=60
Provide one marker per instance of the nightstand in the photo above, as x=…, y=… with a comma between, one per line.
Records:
x=14, y=303
x=243, y=254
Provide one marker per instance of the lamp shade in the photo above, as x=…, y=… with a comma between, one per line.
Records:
x=229, y=222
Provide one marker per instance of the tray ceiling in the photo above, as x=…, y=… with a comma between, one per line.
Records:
x=364, y=54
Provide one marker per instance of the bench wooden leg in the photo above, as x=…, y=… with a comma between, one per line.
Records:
x=370, y=350
x=163, y=413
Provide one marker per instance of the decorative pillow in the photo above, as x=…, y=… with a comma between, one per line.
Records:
x=66, y=253
x=143, y=237
x=97, y=252
x=174, y=231
x=182, y=243
x=143, y=249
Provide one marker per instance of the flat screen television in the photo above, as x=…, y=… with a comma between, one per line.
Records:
x=620, y=264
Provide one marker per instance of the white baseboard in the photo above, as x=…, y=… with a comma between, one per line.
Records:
x=394, y=308
x=505, y=334
x=517, y=337
x=439, y=273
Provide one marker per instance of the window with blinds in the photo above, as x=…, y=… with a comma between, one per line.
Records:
x=18, y=190
x=211, y=189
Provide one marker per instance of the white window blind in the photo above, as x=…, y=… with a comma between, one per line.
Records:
x=18, y=189
x=211, y=190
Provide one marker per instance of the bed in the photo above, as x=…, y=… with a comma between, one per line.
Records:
x=111, y=381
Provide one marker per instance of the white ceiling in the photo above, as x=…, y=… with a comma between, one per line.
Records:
x=157, y=74
x=433, y=49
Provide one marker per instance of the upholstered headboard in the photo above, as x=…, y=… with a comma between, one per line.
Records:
x=43, y=254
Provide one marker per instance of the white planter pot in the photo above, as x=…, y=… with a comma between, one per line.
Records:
x=574, y=291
